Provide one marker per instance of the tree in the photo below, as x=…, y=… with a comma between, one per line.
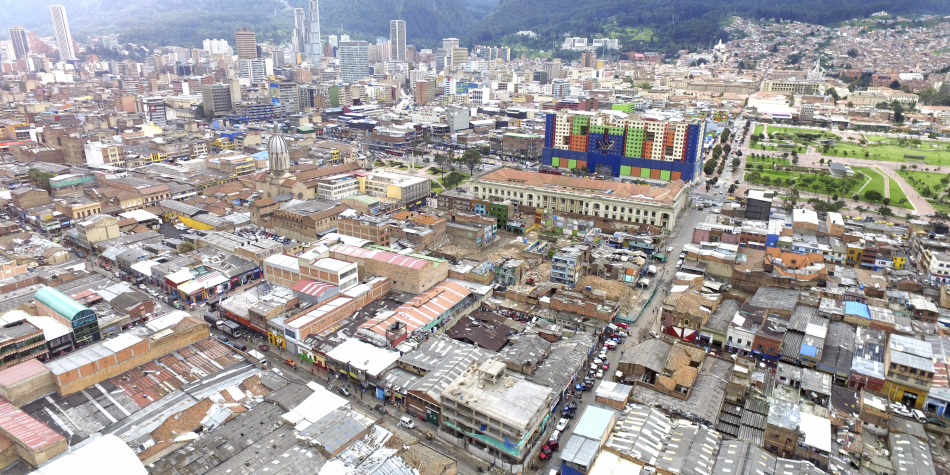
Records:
x=726, y=148
x=790, y=201
x=471, y=159
x=885, y=211
x=40, y=178
x=895, y=84
x=886, y=201
x=853, y=53
x=443, y=161
x=821, y=161
x=898, y=115
x=873, y=195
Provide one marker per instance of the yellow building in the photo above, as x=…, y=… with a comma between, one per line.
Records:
x=855, y=253
x=910, y=370
x=900, y=260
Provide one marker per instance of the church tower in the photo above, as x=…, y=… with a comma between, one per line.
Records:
x=278, y=157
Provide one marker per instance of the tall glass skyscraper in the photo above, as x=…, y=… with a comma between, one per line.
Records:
x=64, y=39
x=21, y=47
x=314, y=46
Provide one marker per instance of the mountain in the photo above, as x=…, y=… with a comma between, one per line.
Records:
x=188, y=22
x=674, y=23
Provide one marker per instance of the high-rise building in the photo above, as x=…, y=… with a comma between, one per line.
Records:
x=300, y=32
x=449, y=43
x=314, y=46
x=21, y=47
x=254, y=69
x=154, y=108
x=64, y=39
x=459, y=57
x=397, y=40
x=633, y=146
x=354, y=60
x=245, y=43
x=216, y=99
x=589, y=59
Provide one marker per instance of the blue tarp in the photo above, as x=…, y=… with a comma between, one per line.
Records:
x=857, y=308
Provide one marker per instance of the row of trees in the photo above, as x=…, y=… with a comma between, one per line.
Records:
x=470, y=159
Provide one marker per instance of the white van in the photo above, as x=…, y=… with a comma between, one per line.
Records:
x=407, y=422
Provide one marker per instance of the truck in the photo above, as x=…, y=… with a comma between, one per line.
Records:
x=231, y=328
x=213, y=320
x=258, y=356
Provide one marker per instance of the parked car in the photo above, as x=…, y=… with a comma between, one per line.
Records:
x=899, y=409
x=561, y=424
x=654, y=334
x=600, y=374
x=343, y=391
x=407, y=422
x=622, y=325
x=919, y=415
x=263, y=347
x=936, y=422
x=669, y=249
x=545, y=452
x=290, y=362
x=553, y=444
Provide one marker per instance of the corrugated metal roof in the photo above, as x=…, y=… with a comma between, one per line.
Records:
x=24, y=429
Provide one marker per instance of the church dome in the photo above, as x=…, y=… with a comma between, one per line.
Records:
x=277, y=144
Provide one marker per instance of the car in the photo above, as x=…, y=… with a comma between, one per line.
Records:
x=603, y=355
x=919, y=415
x=407, y=422
x=290, y=362
x=263, y=347
x=598, y=361
x=143, y=286
x=561, y=424
x=277, y=371
x=612, y=345
x=622, y=325
x=605, y=366
x=936, y=422
x=600, y=373
x=553, y=444
x=545, y=452
x=654, y=334
x=679, y=263
x=899, y=409
x=669, y=249
x=343, y=391
x=80, y=255
x=556, y=435
x=683, y=255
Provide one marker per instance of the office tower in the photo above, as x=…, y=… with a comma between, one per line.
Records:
x=589, y=59
x=254, y=69
x=300, y=31
x=449, y=43
x=459, y=57
x=64, y=39
x=397, y=40
x=354, y=60
x=154, y=108
x=314, y=46
x=21, y=47
x=245, y=43
x=333, y=40
x=216, y=99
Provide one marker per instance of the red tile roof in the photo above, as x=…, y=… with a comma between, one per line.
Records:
x=24, y=429
x=380, y=256
x=22, y=371
x=311, y=287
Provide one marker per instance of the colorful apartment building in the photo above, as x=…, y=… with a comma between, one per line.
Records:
x=624, y=145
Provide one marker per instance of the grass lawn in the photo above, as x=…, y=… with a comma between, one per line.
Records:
x=927, y=184
x=758, y=129
x=823, y=184
x=892, y=153
x=436, y=187
x=757, y=146
x=876, y=183
x=782, y=162
x=777, y=129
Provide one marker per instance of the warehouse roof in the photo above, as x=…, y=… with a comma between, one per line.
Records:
x=60, y=303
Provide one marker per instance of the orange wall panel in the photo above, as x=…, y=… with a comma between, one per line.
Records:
x=655, y=174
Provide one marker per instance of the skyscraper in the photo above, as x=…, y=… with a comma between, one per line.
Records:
x=245, y=43
x=397, y=40
x=300, y=32
x=64, y=39
x=21, y=47
x=354, y=60
x=314, y=46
